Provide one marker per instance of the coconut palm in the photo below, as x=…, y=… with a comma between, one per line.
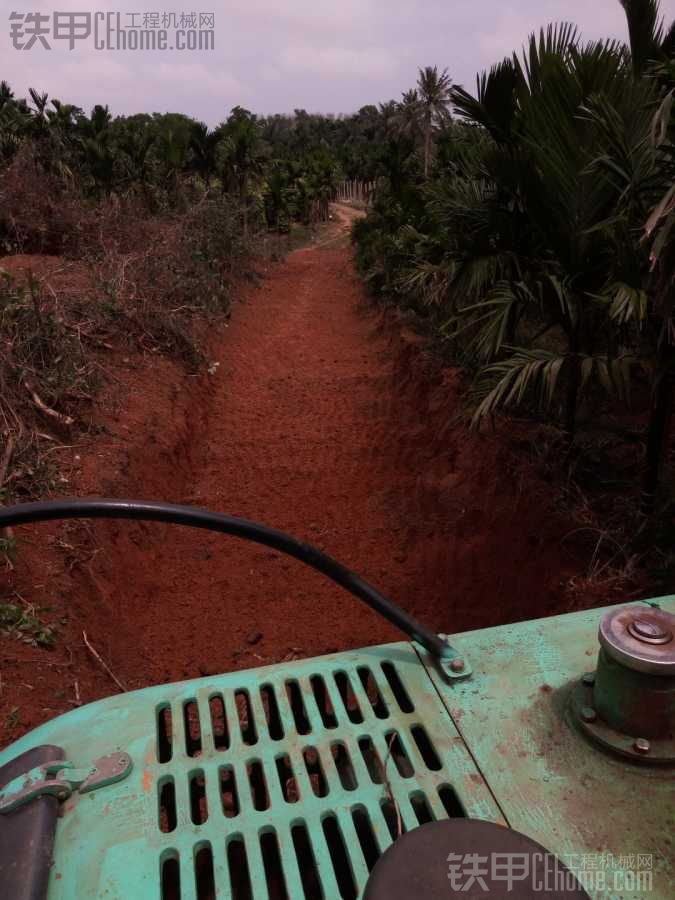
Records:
x=433, y=88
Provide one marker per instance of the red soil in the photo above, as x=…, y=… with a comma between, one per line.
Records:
x=322, y=420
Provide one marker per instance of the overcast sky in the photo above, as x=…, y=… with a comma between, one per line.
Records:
x=278, y=55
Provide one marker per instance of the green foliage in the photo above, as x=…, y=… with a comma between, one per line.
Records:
x=541, y=243
x=22, y=622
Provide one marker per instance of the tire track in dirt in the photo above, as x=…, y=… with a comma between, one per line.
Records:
x=318, y=424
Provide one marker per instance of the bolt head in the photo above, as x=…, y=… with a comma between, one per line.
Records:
x=588, y=714
x=457, y=665
x=62, y=795
x=588, y=679
x=642, y=746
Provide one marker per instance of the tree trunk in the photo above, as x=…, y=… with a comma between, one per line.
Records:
x=658, y=430
x=572, y=394
x=571, y=401
x=243, y=202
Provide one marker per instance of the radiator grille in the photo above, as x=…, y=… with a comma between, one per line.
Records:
x=297, y=784
x=281, y=782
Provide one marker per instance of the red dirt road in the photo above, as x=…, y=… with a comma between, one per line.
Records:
x=321, y=420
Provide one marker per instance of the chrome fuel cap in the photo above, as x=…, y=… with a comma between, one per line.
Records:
x=641, y=638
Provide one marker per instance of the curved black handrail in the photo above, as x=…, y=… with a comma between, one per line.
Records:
x=195, y=517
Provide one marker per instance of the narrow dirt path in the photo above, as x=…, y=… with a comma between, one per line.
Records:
x=323, y=419
x=290, y=441
x=311, y=429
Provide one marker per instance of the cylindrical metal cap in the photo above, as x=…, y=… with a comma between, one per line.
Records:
x=641, y=638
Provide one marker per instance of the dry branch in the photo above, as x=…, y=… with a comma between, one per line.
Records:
x=101, y=662
x=4, y=468
x=61, y=418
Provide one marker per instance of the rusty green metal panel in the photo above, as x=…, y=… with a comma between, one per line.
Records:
x=325, y=745
x=579, y=802
x=336, y=727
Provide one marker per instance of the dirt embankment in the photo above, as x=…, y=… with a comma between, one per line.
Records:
x=322, y=418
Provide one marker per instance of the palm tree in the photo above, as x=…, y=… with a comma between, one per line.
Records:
x=650, y=41
x=539, y=224
x=241, y=154
x=434, y=94
x=6, y=94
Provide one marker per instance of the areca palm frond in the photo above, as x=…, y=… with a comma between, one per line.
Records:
x=509, y=381
x=492, y=320
x=627, y=304
x=494, y=106
x=428, y=280
x=535, y=375
x=549, y=47
x=648, y=38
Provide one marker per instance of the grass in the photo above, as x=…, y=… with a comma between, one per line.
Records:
x=22, y=623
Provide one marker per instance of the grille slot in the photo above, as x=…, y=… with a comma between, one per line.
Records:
x=247, y=727
x=451, y=802
x=167, y=805
x=193, y=728
x=396, y=751
x=364, y=831
x=256, y=779
x=205, y=880
x=372, y=760
x=344, y=766
x=341, y=766
x=323, y=701
x=271, y=707
x=237, y=863
x=229, y=798
x=405, y=704
x=372, y=691
x=274, y=871
x=317, y=777
x=421, y=808
x=351, y=704
x=219, y=727
x=164, y=734
x=199, y=812
x=339, y=858
x=300, y=718
x=170, y=876
x=304, y=853
x=287, y=782
x=426, y=748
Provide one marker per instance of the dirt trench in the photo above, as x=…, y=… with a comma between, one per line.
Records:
x=322, y=418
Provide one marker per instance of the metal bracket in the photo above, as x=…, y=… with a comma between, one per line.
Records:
x=60, y=779
x=454, y=667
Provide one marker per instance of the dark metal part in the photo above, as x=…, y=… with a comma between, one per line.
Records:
x=469, y=858
x=632, y=692
x=660, y=750
x=633, y=702
x=588, y=714
x=27, y=834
